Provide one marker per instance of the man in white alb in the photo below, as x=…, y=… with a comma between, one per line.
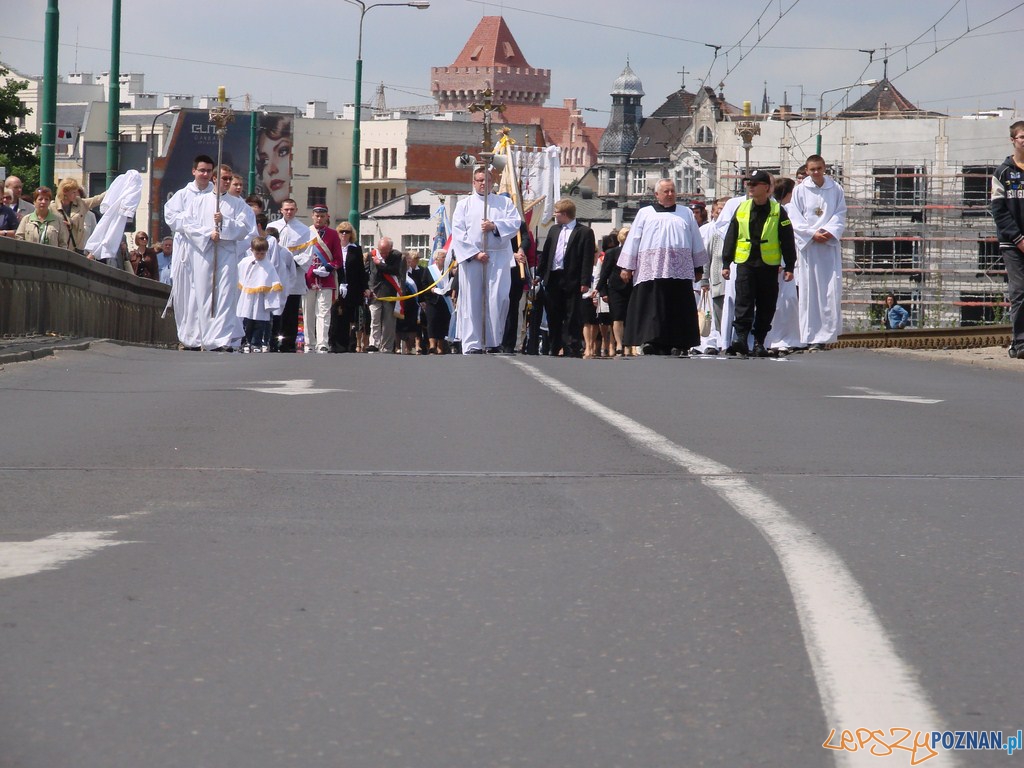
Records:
x=482, y=242
x=818, y=213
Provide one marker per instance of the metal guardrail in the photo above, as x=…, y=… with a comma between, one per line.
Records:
x=930, y=338
x=47, y=290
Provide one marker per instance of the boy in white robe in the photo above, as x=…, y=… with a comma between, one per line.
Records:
x=186, y=316
x=260, y=294
x=818, y=213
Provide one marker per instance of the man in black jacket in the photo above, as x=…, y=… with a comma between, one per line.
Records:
x=1008, y=212
x=566, y=266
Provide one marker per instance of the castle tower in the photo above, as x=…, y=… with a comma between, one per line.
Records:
x=490, y=59
x=621, y=135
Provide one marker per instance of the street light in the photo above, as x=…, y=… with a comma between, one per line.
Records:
x=353, y=214
x=152, y=158
x=821, y=105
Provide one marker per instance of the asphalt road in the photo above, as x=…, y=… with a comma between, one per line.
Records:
x=350, y=560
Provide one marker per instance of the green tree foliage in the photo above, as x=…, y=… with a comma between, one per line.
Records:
x=17, y=148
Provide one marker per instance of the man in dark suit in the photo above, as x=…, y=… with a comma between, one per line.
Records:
x=566, y=266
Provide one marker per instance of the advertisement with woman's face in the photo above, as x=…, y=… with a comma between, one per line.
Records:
x=274, y=160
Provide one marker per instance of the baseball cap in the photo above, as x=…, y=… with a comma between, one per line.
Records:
x=758, y=177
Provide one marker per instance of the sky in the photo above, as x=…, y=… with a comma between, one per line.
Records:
x=944, y=55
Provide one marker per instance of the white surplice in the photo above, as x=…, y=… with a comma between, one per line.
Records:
x=119, y=204
x=290, y=234
x=480, y=326
x=218, y=323
x=183, y=256
x=260, y=290
x=815, y=208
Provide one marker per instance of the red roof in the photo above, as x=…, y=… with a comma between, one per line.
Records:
x=491, y=45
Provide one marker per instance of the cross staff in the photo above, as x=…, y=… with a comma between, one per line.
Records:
x=220, y=116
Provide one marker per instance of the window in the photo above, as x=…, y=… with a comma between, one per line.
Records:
x=376, y=163
x=419, y=243
x=366, y=241
x=316, y=196
x=639, y=182
x=977, y=189
x=366, y=199
x=376, y=198
x=891, y=254
x=704, y=135
x=899, y=187
x=613, y=178
x=982, y=308
x=990, y=262
x=394, y=157
x=687, y=181
x=367, y=156
x=318, y=157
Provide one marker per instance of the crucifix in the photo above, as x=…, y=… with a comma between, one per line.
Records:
x=684, y=73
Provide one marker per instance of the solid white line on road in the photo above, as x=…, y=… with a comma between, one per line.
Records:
x=874, y=394
x=291, y=387
x=862, y=681
x=21, y=558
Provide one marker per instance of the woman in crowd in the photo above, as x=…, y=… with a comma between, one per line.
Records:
x=142, y=259
x=43, y=225
x=73, y=209
x=615, y=291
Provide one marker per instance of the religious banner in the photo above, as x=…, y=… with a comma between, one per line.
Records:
x=539, y=170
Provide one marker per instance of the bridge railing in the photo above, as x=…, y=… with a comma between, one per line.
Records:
x=52, y=290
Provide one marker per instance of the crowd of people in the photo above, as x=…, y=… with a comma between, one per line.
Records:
x=758, y=275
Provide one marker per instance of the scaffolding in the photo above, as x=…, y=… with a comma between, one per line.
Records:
x=923, y=232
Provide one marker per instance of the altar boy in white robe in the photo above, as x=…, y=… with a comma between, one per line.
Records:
x=218, y=232
x=483, y=248
x=818, y=213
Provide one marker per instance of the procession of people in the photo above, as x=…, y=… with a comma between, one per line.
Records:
x=765, y=266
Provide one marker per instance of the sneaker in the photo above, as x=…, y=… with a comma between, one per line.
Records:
x=264, y=349
x=759, y=350
x=321, y=350
x=371, y=348
x=713, y=351
x=307, y=350
x=1013, y=352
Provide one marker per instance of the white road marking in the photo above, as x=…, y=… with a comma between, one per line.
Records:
x=874, y=394
x=292, y=387
x=21, y=558
x=862, y=681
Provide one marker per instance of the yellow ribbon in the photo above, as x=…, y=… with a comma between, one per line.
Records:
x=418, y=293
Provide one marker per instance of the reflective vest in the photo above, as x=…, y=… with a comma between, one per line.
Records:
x=771, y=251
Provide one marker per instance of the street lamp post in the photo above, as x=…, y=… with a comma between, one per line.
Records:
x=154, y=222
x=353, y=214
x=821, y=106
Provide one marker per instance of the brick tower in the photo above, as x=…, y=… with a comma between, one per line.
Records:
x=490, y=59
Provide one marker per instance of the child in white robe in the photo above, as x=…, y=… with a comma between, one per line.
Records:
x=260, y=294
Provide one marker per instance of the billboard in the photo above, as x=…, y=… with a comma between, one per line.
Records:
x=194, y=134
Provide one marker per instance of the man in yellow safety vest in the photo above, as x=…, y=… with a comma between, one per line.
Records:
x=759, y=240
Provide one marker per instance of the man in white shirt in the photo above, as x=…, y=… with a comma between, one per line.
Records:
x=566, y=265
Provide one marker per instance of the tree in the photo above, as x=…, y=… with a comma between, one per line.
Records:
x=18, y=148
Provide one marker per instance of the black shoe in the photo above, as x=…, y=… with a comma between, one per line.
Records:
x=1012, y=352
x=648, y=349
x=495, y=351
x=759, y=350
x=711, y=351
x=475, y=352
x=677, y=352
x=737, y=349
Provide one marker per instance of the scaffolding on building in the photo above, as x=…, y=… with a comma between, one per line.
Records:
x=923, y=232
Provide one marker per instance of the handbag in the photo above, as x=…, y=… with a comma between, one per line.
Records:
x=704, y=314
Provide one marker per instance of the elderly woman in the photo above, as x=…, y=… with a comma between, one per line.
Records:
x=43, y=225
x=73, y=209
